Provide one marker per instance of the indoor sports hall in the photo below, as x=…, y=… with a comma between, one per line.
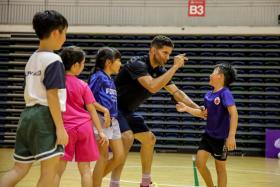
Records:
x=243, y=33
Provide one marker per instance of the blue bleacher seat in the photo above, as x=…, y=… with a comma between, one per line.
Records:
x=144, y=37
x=256, y=89
x=239, y=79
x=272, y=105
x=271, y=46
x=255, y=113
x=188, y=87
x=257, y=121
x=129, y=37
x=97, y=44
x=255, y=96
x=188, y=70
x=189, y=79
x=256, y=38
x=205, y=87
x=225, y=54
x=113, y=37
x=237, y=96
x=255, y=71
x=222, y=37
x=272, y=89
x=238, y=63
x=141, y=53
x=191, y=62
x=255, y=54
x=272, y=113
x=271, y=54
x=237, y=88
x=255, y=80
x=237, y=54
x=207, y=54
x=238, y=46
x=207, y=38
x=272, y=38
x=222, y=45
x=272, y=121
x=272, y=97
x=255, y=63
x=127, y=45
x=207, y=45
x=190, y=38
x=187, y=45
x=188, y=53
x=256, y=46
x=207, y=62
x=238, y=38
x=272, y=72
x=203, y=79
x=272, y=63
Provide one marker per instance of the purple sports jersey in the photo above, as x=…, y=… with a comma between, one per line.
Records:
x=218, y=120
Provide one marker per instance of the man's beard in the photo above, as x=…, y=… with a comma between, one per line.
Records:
x=157, y=61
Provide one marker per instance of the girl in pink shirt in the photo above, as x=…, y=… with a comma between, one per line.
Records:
x=79, y=118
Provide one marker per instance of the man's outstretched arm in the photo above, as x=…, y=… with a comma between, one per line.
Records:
x=180, y=96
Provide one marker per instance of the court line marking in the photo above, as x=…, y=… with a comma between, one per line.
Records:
x=228, y=169
x=159, y=184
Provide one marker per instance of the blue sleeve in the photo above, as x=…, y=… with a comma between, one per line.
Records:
x=227, y=98
x=95, y=84
x=54, y=76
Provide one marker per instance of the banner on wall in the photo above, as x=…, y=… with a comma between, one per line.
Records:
x=196, y=8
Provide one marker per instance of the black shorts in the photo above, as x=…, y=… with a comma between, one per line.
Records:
x=132, y=121
x=216, y=147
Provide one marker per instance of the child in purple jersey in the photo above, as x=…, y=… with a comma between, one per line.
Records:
x=104, y=90
x=221, y=125
x=79, y=118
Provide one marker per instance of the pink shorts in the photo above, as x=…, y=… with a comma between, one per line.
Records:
x=81, y=144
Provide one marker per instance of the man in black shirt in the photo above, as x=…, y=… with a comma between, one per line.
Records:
x=137, y=81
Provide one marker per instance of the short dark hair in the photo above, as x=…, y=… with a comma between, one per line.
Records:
x=160, y=41
x=47, y=21
x=229, y=72
x=71, y=55
x=103, y=54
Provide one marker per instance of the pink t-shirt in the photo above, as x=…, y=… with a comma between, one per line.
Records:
x=78, y=96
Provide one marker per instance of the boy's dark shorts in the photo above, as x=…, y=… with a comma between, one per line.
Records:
x=214, y=146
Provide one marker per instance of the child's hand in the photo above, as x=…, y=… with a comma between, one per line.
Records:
x=231, y=143
x=107, y=119
x=103, y=139
x=180, y=107
x=204, y=112
x=61, y=136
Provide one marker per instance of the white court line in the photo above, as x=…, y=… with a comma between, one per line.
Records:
x=228, y=169
x=159, y=184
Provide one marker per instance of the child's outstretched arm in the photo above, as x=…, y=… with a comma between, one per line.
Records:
x=106, y=113
x=96, y=121
x=181, y=107
x=54, y=106
x=231, y=143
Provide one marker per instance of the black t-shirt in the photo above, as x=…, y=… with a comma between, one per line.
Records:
x=131, y=93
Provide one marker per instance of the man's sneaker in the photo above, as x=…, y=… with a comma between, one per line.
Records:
x=152, y=184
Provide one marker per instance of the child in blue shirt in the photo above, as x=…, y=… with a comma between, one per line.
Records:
x=104, y=90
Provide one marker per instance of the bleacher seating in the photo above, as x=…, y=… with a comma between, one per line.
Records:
x=257, y=90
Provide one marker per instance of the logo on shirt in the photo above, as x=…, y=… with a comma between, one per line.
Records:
x=34, y=73
x=217, y=101
x=111, y=91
